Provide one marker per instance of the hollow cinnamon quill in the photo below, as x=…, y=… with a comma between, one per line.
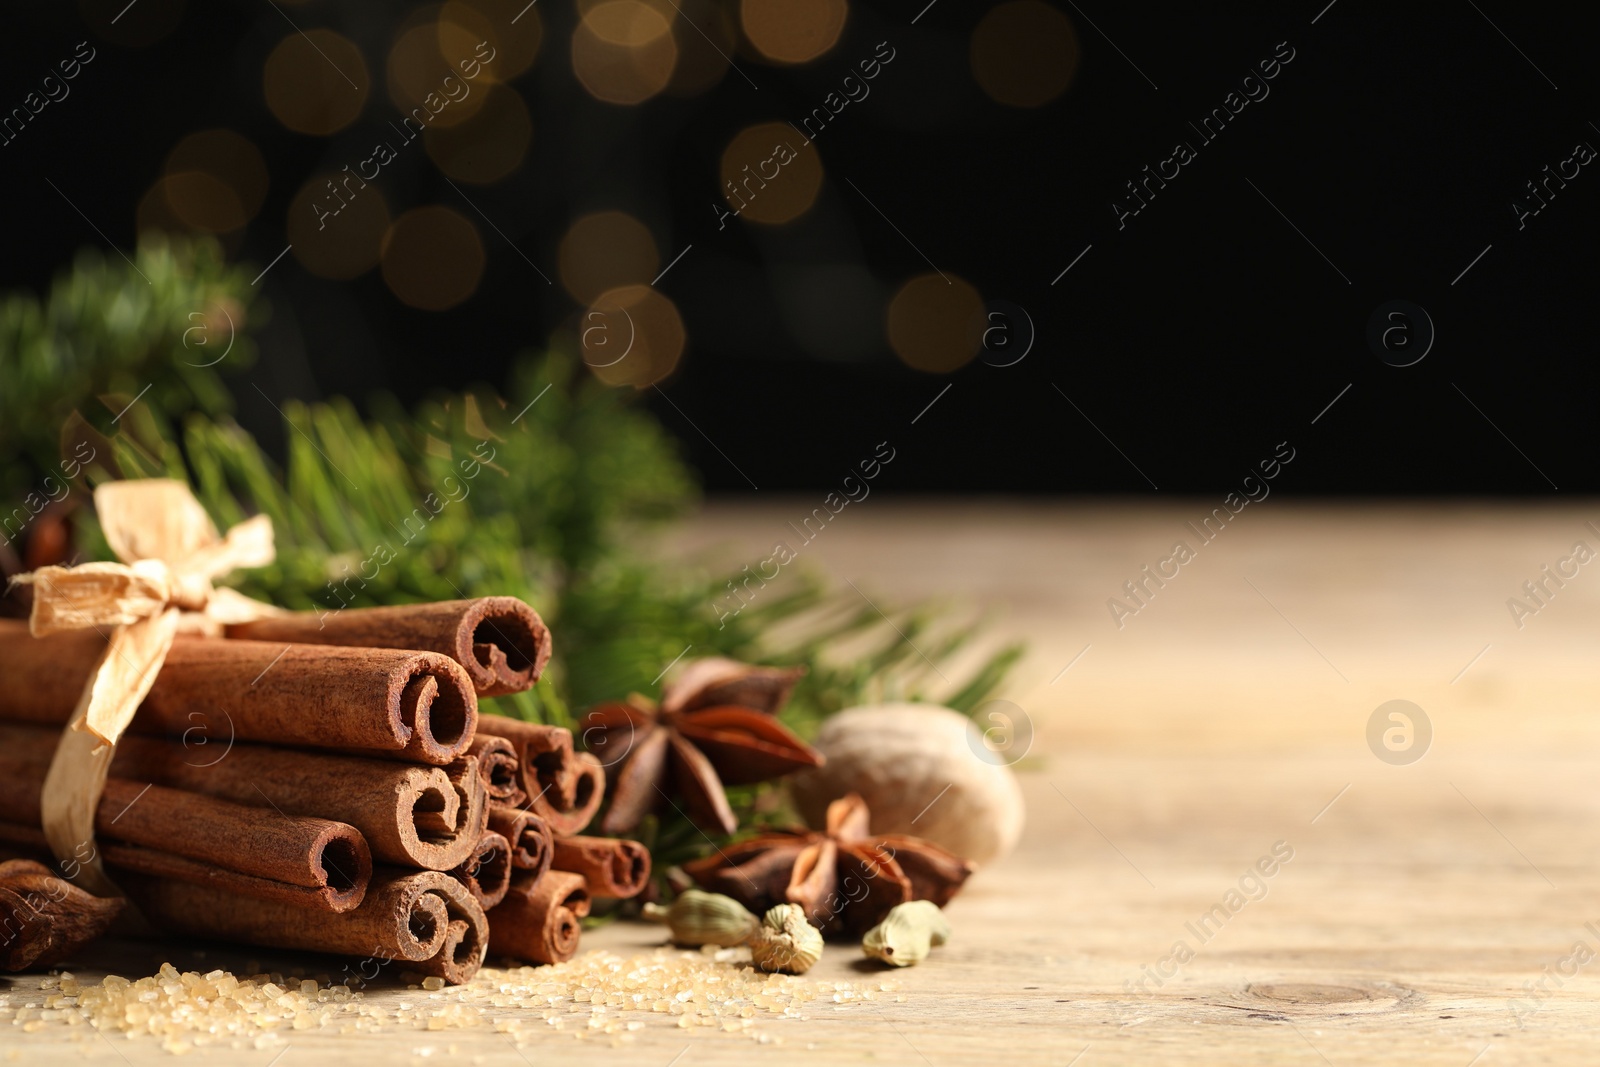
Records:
x=545, y=758
x=501, y=769
x=425, y=918
x=611, y=867
x=589, y=790
x=390, y=703
x=502, y=642
x=532, y=843
x=414, y=816
x=486, y=872
x=301, y=861
x=540, y=919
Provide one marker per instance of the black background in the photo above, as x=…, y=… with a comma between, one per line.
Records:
x=1195, y=339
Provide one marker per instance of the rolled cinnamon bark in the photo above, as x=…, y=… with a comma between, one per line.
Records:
x=300, y=861
x=487, y=871
x=425, y=918
x=429, y=817
x=391, y=703
x=532, y=843
x=539, y=921
x=589, y=789
x=502, y=642
x=610, y=867
x=501, y=769
x=546, y=757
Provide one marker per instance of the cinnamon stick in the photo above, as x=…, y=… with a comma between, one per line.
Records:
x=611, y=867
x=301, y=861
x=487, y=871
x=391, y=703
x=500, y=767
x=588, y=791
x=532, y=843
x=425, y=918
x=502, y=642
x=545, y=754
x=539, y=921
x=44, y=919
x=429, y=817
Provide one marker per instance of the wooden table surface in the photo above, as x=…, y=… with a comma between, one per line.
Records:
x=1437, y=912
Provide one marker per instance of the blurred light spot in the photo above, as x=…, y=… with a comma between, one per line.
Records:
x=338, y=232
x=466, y=24
x=315, y=82
x=631, y=335
x=606, y=250
x=143, y=24
x=793, y=31
x=623, y=51
x=155, y=212
x=489, y=145
x=204, y=202
x=705, y=38
x=1024, y=53
x=425, y=87
x=766, y=178
x=432, y=258
x=936, y=326
x=216, y=180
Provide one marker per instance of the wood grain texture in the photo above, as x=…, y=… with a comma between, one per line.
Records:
x=1421, y=903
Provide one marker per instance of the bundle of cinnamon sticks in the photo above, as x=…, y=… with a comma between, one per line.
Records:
x=326, y=782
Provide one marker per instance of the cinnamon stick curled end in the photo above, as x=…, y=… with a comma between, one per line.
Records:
x=541, y=918
x=611, y=867
x=486, y=873
x=501, y=768
x=532, y=843
x=588, y=790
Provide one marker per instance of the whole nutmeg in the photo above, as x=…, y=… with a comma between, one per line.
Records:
x=918, y=768
x=785, y=942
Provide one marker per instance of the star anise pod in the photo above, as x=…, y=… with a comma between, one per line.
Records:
x=845, y=877
x=716, y=726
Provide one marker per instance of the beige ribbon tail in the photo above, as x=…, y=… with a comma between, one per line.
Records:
x=77, y=776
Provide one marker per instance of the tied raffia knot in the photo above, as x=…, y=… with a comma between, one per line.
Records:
x=171, y=553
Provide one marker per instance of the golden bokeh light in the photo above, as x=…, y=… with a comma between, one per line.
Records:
x=155, y=212
x=631, y=335
x=204, y=202
x=1024, y=53
x=936, y=323
x=315, y=82
x=511, y=28
x=623, y=52
x=488, y=146
x=766, y=178
x=429, y=89
x=432, y=258
x=793, y=31
x=706, y=37
x=606, y=250
x=336, y=226
x=216, y=180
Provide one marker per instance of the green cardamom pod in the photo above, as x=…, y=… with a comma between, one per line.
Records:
x=699, y=918
x=907, y=933
x=785, y=941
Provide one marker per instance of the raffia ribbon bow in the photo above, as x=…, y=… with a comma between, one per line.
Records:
x=170, y=553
